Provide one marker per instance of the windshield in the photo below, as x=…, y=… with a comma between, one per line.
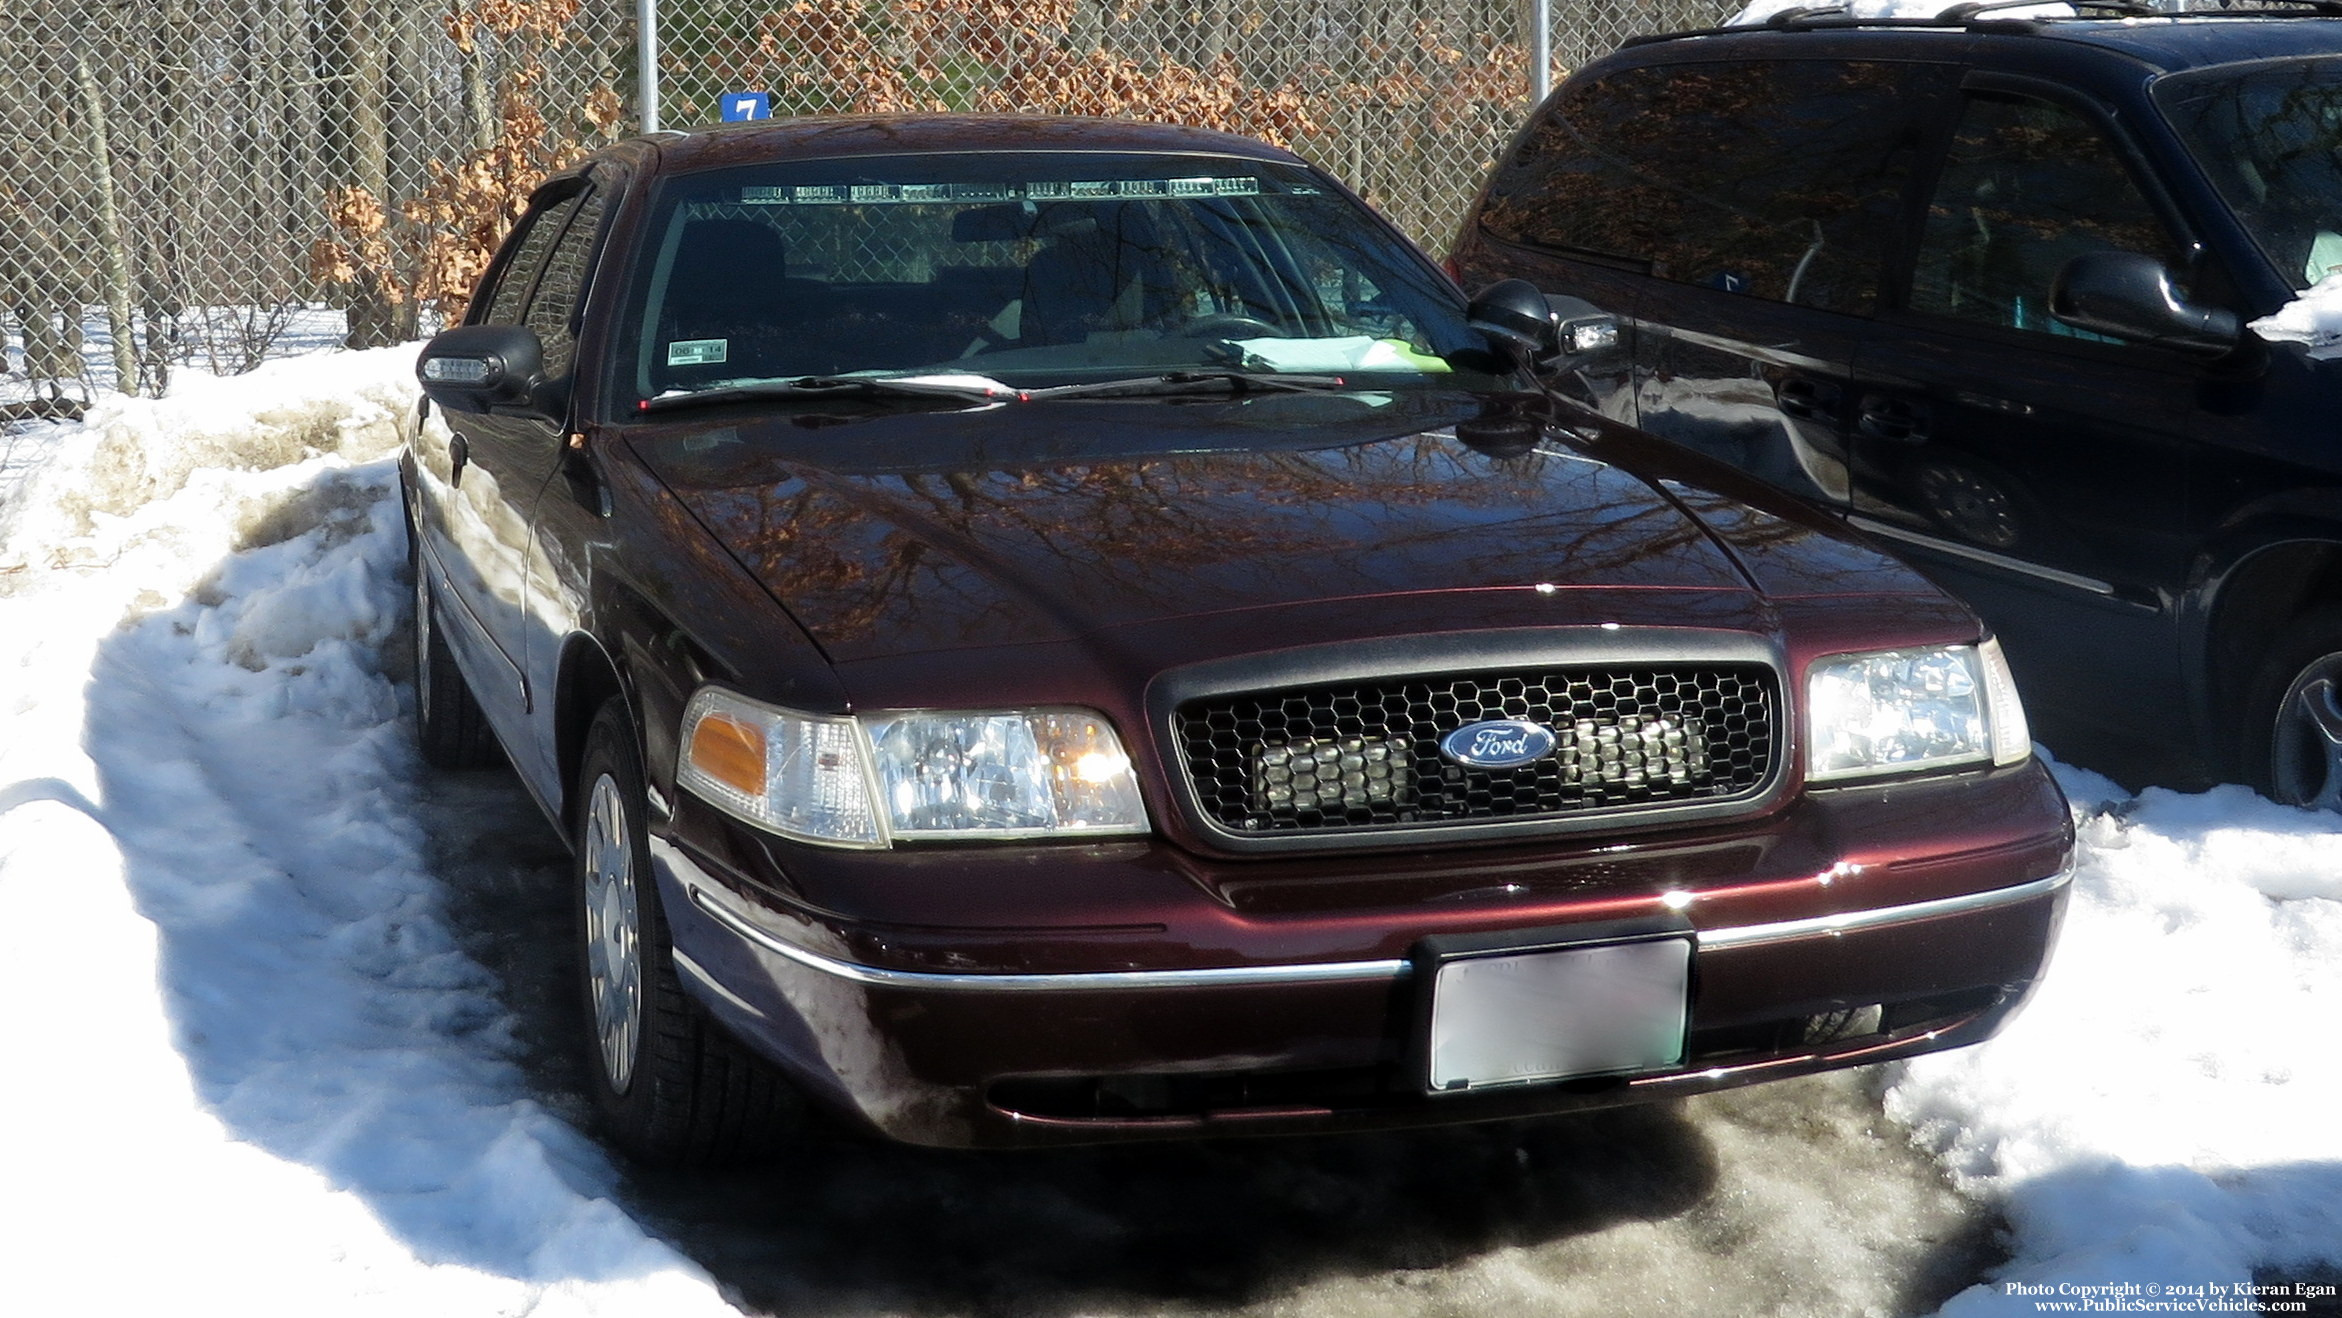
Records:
x=2271, y=142
x=1031, y=269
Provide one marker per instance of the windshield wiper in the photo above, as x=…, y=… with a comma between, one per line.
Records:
x=985, y=389
x=1191, y=382
x=978, y=388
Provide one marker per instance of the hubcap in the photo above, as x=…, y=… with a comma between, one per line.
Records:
x=613, y=933
x=2305, y=753
x=422, y=643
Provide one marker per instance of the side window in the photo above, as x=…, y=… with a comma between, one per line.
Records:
x=1780, y=179
x=1570, y=183
x=554, y=306
x=2027, y=186
x=538, y=229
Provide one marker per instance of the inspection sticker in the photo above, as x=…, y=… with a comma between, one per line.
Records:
x=893, y=194
x=697, y=352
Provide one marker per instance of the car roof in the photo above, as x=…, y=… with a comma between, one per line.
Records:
x=2167, y=43
x=815, y=137
x=2187, y=42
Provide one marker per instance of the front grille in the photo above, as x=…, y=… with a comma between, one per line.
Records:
x=1367, y=754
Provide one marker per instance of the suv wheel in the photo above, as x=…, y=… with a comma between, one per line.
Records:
x=671, y=1087
x=449, y=726
x=2298, y=708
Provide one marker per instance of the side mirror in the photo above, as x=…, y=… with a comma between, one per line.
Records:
x=1515, y=317
x=2129, y=296
x=485, y=368
x=1518, y=318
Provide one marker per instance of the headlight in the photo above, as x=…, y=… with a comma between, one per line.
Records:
x=1036, y=773
x=1898, y=710
x=800, y=775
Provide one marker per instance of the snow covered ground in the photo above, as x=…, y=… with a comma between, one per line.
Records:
x=1757, y=11
x=2314, y=317
x=220, y=340
x=2164, y=1111
x=249, y=1071
x=252, y=1070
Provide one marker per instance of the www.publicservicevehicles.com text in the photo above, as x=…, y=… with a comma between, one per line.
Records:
x=2158, y=1297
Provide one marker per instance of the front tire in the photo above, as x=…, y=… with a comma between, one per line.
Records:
x=672, y=1089
x=2296, y=721
x=449, y=726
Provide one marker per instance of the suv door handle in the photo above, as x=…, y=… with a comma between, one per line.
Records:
x=459, y=452
x=1896, y=419
x=1805, y=399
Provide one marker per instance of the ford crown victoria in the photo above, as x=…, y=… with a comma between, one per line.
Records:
x=1044, y=631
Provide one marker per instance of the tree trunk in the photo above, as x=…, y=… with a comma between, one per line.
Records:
x=377, y=316
x=113, y=259
x=479, y=102
x=164, y=279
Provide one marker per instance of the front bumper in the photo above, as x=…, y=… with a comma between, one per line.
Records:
x=1862, y=929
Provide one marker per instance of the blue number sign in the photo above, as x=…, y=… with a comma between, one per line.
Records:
x=742, y=106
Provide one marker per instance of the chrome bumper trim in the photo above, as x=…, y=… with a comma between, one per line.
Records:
x=1332, y=972
x=1752, y=935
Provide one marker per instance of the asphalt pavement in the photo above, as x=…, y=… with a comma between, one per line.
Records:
x=1796, y=1198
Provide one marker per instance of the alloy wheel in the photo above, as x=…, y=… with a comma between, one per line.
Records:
x=2305, y=752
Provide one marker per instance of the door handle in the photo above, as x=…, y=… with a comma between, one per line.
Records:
x=459, y=453
x=1805, y=399
x=1898, y=420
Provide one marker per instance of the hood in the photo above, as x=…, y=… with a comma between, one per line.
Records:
x=901, y=532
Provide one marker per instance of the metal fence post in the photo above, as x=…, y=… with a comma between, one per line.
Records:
x=1540, y=52
x=646, y=23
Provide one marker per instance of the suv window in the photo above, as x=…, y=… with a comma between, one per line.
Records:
x=1780, y=178
x=2027, y=186
x=2270, y=138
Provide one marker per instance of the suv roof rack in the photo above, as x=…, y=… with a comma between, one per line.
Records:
x=1993, y=16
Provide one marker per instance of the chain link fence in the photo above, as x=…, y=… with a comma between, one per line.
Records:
x=208, y=185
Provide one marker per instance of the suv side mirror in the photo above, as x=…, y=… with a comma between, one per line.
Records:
x=2129, y=296
x=485, y=368
x=1515, y=315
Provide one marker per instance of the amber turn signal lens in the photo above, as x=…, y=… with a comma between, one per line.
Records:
x=731, y=752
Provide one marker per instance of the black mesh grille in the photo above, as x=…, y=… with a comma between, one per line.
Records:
x=1367, y=754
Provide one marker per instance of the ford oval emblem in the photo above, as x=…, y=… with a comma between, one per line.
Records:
x=1506, y=743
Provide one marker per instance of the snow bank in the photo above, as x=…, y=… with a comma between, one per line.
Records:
x=1760, y=10
x=250, y=1070
x=2164, y=1110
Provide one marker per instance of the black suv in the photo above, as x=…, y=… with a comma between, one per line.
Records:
x=1982, y=284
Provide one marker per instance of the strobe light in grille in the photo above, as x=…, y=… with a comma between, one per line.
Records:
x=1367, y=755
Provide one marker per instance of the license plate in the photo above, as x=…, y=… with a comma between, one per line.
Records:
x=1610, y=1009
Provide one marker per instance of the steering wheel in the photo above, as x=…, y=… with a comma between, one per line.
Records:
x=1227, y=325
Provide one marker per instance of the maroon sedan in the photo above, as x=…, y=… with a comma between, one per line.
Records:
x=1045, y=631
